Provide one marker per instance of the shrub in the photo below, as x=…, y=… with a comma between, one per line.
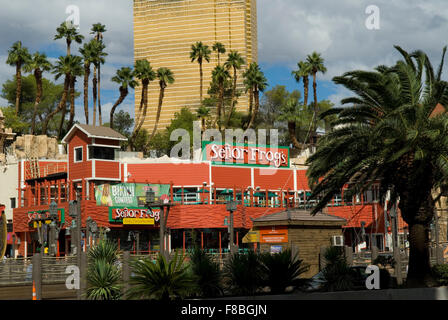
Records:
x=282, y=270
x=162, y=280
x=337, y=274
x=243, y=272
x=207, y=273
x=440, y=273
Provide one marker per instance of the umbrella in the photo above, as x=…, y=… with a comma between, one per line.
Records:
x=202, y=191
x=226, y=192
x=259, y=194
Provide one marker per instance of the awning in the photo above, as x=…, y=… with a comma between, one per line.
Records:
x=251, y=237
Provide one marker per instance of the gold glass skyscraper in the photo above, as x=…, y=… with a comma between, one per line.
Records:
x=164, y=31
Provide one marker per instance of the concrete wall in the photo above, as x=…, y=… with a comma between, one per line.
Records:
x=9, y=177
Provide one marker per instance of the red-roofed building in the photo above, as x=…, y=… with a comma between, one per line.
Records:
x=104, y=179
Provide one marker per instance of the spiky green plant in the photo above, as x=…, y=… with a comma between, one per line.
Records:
x=337, y=275
x=243, y=273
x=162, y=280
x=105, y=250
x=282, y=270
x=103, y=280
x=207, y=273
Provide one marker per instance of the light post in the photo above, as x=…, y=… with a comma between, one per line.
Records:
x=91, y=231
x=231, y=206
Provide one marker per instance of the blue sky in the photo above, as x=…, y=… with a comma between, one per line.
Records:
x=288, y=30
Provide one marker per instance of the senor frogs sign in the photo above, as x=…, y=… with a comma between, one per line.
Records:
x=134, y=216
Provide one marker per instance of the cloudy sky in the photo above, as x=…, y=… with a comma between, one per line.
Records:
x=288, y=30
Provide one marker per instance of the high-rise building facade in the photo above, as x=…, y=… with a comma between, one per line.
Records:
x=164, y=31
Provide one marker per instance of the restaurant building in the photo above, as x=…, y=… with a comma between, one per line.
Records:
x=111, y=186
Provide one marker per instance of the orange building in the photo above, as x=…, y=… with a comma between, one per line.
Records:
x=96, y=171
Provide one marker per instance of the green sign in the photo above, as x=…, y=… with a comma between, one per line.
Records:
x=129, y=194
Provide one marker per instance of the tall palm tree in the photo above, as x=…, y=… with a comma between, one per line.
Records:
x=316, y=64
x=234, y=61
x=70, y=33
x=200, y=52
x=17, y=57
x=125, y=78
x=203, y=112
x=165, y=77
x=303, y=72
x=37, y=64
x=87, y=52
x=61, y=68
x=98, y=29
x=220, y=49
x=389, y=134
x=248, y=76
x=259, y=83
x=220, y=74
x=77, y=69
x=291, y=112
x=144, y=72
x=97, y=58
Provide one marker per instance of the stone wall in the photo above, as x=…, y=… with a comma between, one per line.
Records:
x=29, y=146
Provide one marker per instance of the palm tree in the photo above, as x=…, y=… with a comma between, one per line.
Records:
x=62, y=67
x=203, y=112
x=390, y=136
x=144, y=72
x=234, y=61
x=162, y=280
x=17, y=56
x=87, y=51
x=98, y=29
x=220, y=49
x=291, y=112
x=258, y=82
x=220, y=74
x=303, y=72
x=125, y=78
x=200, y=52
x=165, y=77
x=77, y=70
x=70, y=33
x=316, y=64
x=97, y=58
x=248, y=76
x=37, y=64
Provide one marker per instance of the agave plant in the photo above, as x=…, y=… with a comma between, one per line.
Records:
x=207, y=273
x=282, y=270
x=103, y=275
x=103, y=280
x=244, y=273
x=162, y=280
x=337, y=275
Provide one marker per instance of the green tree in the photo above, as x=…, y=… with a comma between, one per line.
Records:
x=391, y=136
x=144, y=72
x=303, y=73
x=76, y=71
x=220, y=75
x=316, y=64
x=70, y=33
x=219, y=48
x=97, y=57
x=162, y=280
x=234, y=61
x=98, y=29
x=256, y=80
x=37, y=64
x=17, y=57
x=200, y=52
x=165, y=77
x=89, y=54
x=203, y=113
x=291, y=112
x=13, y=121
x=125, y=78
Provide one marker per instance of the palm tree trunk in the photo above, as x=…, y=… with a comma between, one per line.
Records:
x=315, y=109
x=233, y=97
x=38, y=78
x=219, y=106
x=159, y=109
x=19, y=87
x=61, y=123
x=94, y=91
x=141, y=117
x=419, y=265
x=200, y=79
x=305, y=91
x=86, y=92
x=123, y=94
x=99, y=95
x=72, y=103
x=292, y=134
x=255, y=111
x=60, y=106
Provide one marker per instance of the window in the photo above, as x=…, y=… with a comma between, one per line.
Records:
x=78, y=154
x=101, y=153
x=13, y=202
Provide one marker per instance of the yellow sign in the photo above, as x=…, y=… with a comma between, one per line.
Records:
x=138, y=221
x=251, y=237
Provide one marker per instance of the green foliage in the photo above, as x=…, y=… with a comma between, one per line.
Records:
x=384, y=261
x=207, y=273
x=337, y=275
x=162, y=280
x=440, y=274
x=244, y=273
x=103, y=275
x=16, y=123
x=282, y=270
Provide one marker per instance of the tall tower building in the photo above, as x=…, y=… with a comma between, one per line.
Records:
x=164, y=31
